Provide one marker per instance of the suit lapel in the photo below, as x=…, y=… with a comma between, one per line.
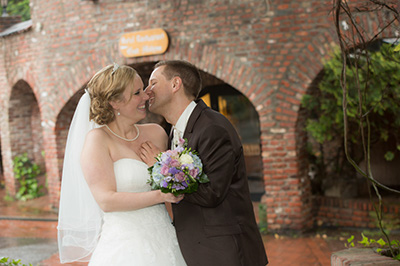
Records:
x=193, y=118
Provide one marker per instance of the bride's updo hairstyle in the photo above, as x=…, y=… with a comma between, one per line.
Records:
x=105, y=86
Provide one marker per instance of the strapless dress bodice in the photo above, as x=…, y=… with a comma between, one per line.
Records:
x=131, y=176
x=143, y=237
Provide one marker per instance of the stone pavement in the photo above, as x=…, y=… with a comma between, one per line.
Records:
x=36, y=242
x=28, y=231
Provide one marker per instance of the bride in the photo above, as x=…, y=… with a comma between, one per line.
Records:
x=108, y=213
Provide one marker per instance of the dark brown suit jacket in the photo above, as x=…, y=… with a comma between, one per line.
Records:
x=216, y=224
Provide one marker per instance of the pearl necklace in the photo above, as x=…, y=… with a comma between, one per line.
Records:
x=118, y=136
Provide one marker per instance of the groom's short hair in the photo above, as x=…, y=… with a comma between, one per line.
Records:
x=188, y=73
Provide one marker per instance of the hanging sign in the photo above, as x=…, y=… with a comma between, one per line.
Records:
x=141, y=43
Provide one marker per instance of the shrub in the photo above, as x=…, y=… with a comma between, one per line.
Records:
x=26, y=173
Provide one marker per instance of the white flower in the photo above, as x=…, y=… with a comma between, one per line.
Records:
x=186, y=159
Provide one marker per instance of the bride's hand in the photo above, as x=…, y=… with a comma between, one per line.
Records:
x=169, y=197
x=149, y=152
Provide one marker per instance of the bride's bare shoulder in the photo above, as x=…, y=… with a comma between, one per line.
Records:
x=154, y=133
x=97, y=134
x=152, y=128
x=96, y=143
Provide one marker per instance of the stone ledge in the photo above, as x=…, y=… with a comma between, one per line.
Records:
x=361, y=256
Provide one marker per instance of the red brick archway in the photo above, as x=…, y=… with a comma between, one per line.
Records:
x=25, y=128
x=279, y=158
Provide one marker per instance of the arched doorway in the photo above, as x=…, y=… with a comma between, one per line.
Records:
x=64, y=119
x=221, y=97
x=242, y=114
x=25, y=127
x=321, y=115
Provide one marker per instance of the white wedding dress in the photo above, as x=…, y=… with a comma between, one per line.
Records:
x=142, y=237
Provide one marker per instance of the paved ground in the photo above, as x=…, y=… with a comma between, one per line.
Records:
x=28, y=231
x=35, y=242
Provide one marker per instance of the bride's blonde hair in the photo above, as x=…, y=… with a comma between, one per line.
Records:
x=108, y=85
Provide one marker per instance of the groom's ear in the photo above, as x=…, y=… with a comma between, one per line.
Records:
x=176, y=83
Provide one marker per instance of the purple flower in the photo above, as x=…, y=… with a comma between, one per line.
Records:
x=164, y=184
x=181, y=142
x=179, y=149
x=178, y=187
x=164, y=170
x=174, y=163
x=176, y=170
x=173, y=171
x=194, y=172
x=165, y=159
x=180, y=176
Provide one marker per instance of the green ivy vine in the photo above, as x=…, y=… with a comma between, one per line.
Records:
x=26, y=173
x=380, y=78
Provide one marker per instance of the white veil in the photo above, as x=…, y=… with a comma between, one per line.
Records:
x=80, y=217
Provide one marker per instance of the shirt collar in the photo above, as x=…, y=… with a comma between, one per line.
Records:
x=183, y=119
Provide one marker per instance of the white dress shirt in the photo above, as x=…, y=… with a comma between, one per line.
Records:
x=179, y=128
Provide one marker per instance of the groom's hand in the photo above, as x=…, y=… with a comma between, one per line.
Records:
x=149, y=152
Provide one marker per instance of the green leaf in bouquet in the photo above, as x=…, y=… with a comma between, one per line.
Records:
x=203, y=178
x=150, y=169
x=192, y=188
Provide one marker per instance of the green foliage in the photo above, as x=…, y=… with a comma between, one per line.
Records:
x=7, y=197
x=389, y=156
x=26, y=172
x=380, y=244
x=19, y=8
x=378, y=80
x=4, y=261
x=365, y=241
x=350, y=242
x=262, y=214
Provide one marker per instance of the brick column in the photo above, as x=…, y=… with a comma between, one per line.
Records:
x=53, y=177
x=6, y=154
x=288, y=193
x=5, y=132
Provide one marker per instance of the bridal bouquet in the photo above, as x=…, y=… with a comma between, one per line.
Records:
x=177, y=171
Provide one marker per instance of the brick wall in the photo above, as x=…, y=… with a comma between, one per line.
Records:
x=269, y=51
x=337, y=212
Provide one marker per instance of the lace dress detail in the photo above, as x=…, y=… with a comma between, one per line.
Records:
x=142, y=237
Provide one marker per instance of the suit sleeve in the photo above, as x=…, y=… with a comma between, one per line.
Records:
x=217, y=154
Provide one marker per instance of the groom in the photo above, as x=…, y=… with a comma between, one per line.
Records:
x=216, y=224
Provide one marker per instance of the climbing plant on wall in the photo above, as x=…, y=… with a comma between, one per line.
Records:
x=19, y=8
x=379, y=76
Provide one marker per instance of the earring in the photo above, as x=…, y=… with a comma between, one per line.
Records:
x=118, y=113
